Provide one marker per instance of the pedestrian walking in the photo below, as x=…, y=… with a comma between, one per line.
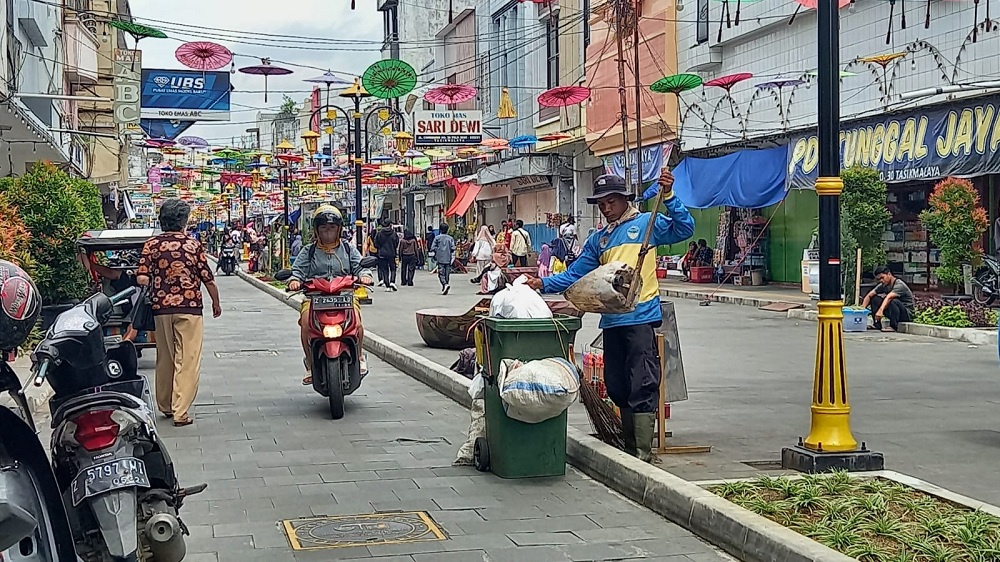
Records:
x=631, y=358
x=386, y=244
x=409, y=257
x=482, y=251
x=174, y=267
x=520, y=244
x=428, y=242
x=444, y=252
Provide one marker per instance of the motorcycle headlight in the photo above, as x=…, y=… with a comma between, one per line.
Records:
x=333, y=332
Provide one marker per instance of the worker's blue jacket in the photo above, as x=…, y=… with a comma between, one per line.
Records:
x=623, y=244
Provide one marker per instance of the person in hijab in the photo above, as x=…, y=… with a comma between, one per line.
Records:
x=493, y=279
x=409, y=256
x=544, y=262
x=482, y=252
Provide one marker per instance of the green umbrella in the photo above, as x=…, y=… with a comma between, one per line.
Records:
x=676, y=83
x=389, y=78
x=137, y=30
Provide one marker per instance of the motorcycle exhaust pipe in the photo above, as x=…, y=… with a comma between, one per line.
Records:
x=165, y=539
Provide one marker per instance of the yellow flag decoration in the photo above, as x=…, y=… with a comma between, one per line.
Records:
x=506, y=109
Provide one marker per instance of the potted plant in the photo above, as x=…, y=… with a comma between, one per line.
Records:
x=955, y=222
x=863, y=217
x=57, y=210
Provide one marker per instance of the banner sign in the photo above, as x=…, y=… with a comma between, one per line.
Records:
x=652, y=163
x=955, y=140
x=126, y=106
x=438, y=175
x=447, y=128
x=185, y=95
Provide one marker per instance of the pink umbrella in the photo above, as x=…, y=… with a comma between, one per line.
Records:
x=562, y=96
x=265, y=69
x=203, y=55
x=450, y=94
x=727, y=82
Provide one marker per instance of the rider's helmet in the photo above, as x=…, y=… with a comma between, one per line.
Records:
x=20, y=305
x=327, y=214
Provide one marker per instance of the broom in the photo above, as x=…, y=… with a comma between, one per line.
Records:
x=606, y=423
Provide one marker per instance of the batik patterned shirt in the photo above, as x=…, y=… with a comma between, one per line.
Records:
x=176, y=266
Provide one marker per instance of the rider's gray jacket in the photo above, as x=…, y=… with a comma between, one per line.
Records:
x=313, y=262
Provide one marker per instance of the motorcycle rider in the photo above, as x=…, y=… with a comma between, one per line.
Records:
x=329, y=255
x=228, y=242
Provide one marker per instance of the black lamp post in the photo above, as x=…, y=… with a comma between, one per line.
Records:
x=830, y=444
x=357, y=93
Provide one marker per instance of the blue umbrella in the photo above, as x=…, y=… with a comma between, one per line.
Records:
x=523, y=141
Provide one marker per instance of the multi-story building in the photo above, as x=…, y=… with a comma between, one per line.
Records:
x=35, y=116
x=889, y=52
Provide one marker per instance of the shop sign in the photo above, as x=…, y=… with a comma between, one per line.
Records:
x=652, y=161
x=447, y=128
x=524, y=184
x=955, y=140
x=438, y=175
x=126, y=107
x=185, y=95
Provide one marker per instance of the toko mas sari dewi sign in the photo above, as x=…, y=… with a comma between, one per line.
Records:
x=447, y=128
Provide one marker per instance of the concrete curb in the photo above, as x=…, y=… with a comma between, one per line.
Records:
x=754, y=302
x=976, y=336
x=738, y=531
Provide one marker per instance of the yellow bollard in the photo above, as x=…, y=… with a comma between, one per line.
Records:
x=830, y=425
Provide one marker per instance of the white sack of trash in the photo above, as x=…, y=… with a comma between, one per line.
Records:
x=519, y=301
x=535, y=391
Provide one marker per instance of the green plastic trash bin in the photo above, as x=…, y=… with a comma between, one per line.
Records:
x=514, y=449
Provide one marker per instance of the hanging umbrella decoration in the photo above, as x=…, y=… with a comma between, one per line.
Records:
x=193, y=142
x=727, y=82
x=265, y=69
x=450, y=94
x=676, y=83
x=553, y=137
x=987, y=23
x=883, y=61
x=780, y=84
x=137, y=31
x=523, y=141
x=811, y=4
x=329, y=79
x=506, y=109
x=203, y=55
x=563, y=96
x=389, y=79
x=725, y=13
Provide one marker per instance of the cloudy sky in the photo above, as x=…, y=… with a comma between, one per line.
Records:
x=242, y=25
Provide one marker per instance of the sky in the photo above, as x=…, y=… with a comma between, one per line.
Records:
x=240, y=25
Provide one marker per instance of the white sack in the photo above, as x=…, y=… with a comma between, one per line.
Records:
x=477, y=428
x=604, y=290
x=535, y=391
x=519, y=301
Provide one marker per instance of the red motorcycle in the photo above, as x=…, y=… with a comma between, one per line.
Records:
x=334, y=328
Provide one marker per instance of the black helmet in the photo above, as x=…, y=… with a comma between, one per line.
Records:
x=20, y=305
x=327, y=214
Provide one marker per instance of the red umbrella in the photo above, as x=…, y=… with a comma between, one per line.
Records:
x=450, y=94
x=265, y=69
x=727, y=82
x=561, y=96
x=203, y=55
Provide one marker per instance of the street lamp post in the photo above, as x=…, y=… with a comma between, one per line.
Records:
x=829, y=444
x=357, y=93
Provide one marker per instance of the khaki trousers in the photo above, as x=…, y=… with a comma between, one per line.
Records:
x=178, y=362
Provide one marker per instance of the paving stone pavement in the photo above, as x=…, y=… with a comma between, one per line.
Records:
x=269, y=452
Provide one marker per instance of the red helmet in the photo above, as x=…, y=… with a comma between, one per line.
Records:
x=20, y=305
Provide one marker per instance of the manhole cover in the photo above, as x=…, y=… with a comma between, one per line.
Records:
x=764, y=465
x=246, y=353
x=361, y=530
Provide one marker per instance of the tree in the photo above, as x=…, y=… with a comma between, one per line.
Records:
x=863, y=217
x=288, y=108
x=955, y=222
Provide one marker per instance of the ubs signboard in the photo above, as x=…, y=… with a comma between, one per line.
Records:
x=447, y=128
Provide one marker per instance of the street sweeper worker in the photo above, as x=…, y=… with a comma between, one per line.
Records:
x=631, y=363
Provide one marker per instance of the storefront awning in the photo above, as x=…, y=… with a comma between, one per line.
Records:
x=465, y=194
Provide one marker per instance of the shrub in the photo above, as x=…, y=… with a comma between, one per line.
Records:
x=955, y=222
x=964, y=314
x=56, y=214
x=15, y=238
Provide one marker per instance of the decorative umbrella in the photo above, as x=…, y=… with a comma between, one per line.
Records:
x=389, y=78
x=562, y=96
x=193, y=142
x=203, y=55
x=727, y=82
x=523, y=141
x=506, y=109
x=450, y=94
x=495, y=143
x=780, y=84
x=412, y=154
x=811, y=4
x=553, y=137
x=265, y=69
x=676, y=83
x=137, y=30
x=467, y=151
x=436, y=153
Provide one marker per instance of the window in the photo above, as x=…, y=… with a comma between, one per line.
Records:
x=552, y=63
x=586, y=23
x=702, y=28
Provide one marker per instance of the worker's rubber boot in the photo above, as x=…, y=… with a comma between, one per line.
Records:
x=628, y=429
x=644, y=426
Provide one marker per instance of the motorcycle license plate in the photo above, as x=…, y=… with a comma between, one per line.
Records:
x=108, y=476
x=327, y=302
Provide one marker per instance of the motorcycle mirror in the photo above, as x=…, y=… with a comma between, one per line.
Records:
x=283, y=275
x=368, y=262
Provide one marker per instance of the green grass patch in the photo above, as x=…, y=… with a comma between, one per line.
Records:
x=873, y=519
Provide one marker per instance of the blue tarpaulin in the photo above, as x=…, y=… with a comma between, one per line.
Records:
x=748, y=179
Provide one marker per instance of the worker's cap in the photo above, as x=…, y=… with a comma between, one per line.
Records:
x=609, y=184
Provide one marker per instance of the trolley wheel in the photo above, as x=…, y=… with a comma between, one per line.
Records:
x=481, y=455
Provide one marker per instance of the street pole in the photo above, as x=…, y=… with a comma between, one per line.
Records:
x=359, y=222
x=284, y=226
x=830, y=444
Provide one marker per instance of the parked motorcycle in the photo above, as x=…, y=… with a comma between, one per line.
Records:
x=115, y=475
x=333, y=335
x=227, y=260
x=986, y=281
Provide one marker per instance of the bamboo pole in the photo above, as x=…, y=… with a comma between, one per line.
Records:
x=857, y=279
